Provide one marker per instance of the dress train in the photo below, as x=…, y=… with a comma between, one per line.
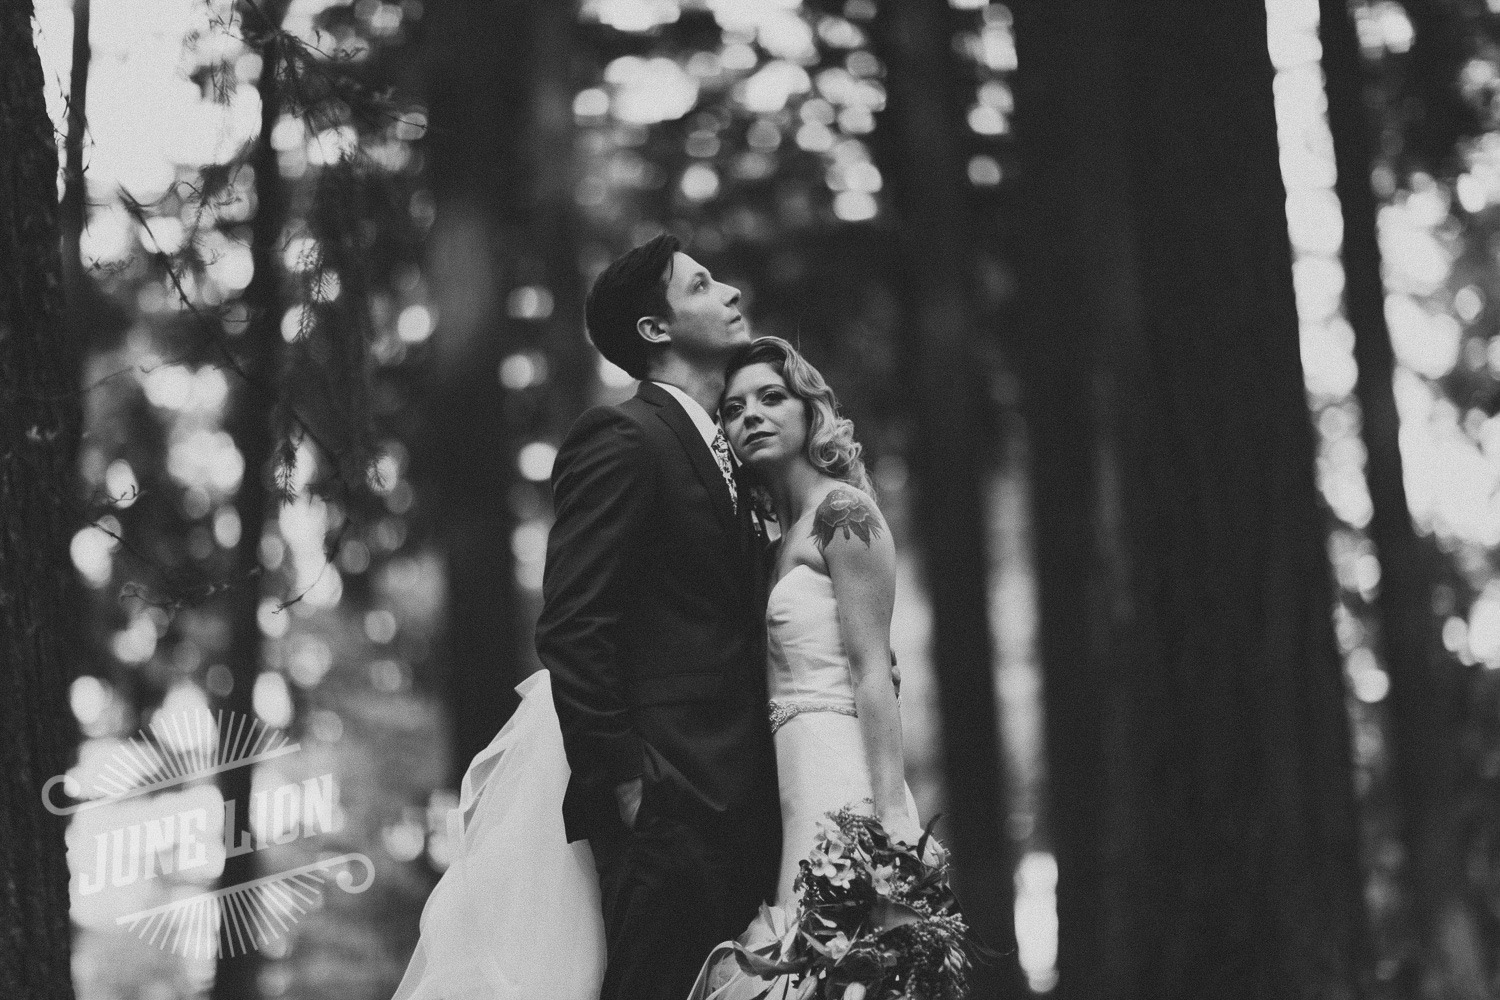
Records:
x=516, y=916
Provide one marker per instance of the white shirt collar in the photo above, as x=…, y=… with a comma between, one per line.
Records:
x=699, y=415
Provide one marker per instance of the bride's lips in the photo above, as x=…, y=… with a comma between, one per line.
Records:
x=757, y=437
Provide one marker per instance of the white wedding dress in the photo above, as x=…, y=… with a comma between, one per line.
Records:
x=821, y=763
x=516, y=916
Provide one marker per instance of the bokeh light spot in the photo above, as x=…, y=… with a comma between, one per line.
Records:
x=415, y=324
x=535, y=461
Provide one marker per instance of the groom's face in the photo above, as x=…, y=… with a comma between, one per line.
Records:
x=706, y=323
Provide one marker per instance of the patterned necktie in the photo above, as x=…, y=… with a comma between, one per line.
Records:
x=720, y=449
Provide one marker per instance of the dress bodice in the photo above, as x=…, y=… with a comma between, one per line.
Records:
x=808, y=668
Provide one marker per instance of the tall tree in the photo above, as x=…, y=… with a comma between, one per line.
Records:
x=1198, y=741
x=1078, y=279
x=924, y=159
x=39, y=426
x=1421, y=760
x=506, y=280
x=250, y=424
x=74, y=208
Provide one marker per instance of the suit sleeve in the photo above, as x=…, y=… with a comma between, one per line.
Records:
x=602, y=487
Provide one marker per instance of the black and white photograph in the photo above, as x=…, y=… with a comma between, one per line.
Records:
x=749, y=500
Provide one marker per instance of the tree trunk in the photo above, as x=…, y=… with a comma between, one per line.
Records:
x=74, y=209
x=1202, y=796
x=500, y=148
x=39, y=427
x=1079, y=285
x=923, y=158
x=1241, y=701
x=553, y=214
x=1408, y=633
x=250, y=424
x=81, y=300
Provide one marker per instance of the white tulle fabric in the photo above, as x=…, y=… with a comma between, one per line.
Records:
x=516, y=915
x=821, y=764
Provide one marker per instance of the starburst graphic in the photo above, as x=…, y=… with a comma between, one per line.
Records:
x=229, y=922
x=172, y=752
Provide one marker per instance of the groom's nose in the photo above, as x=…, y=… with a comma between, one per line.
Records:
x=734, y=295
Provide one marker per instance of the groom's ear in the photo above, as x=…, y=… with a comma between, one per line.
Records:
x=653, y=330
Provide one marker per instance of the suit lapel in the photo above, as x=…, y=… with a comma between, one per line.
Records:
x=702, y=460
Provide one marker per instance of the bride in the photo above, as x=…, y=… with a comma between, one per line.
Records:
x=517, y=914
x=833, y=710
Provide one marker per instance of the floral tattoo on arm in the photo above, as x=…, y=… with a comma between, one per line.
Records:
x=842, y=511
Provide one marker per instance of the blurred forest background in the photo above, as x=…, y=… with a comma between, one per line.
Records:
x=1170, y=330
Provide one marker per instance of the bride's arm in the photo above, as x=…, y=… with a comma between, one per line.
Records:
x=861, y=561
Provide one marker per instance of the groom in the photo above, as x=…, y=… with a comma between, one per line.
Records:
x=653, y=628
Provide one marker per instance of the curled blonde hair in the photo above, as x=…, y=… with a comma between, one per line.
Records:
x=831, y=447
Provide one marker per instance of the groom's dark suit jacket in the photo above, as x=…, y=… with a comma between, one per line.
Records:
x=653, y=618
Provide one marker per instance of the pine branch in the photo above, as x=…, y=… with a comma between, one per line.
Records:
x=209, y=330
x=322, y=396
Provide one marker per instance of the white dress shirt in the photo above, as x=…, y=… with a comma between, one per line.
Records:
x=701, y=420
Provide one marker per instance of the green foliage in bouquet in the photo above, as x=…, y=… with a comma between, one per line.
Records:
x=877, y=920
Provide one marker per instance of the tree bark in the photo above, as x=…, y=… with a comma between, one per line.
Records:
x=1420, y=687
x=924, y=160
x=1199, y=755
x=1245, y=680
x=39, y=427
x=553, y=214
x=1078, y=277
x=1421, y=706
x=74, y=208
x=82, y=304
x=500, y=148
x=250, y=425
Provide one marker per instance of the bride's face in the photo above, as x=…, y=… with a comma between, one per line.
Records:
x=766, y=424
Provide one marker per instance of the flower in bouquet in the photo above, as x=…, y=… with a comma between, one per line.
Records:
x=877, y=918
x=827, y=861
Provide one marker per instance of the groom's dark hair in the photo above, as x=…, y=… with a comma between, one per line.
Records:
x=633, y=286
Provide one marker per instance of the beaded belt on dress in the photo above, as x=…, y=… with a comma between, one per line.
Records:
x=782, y=712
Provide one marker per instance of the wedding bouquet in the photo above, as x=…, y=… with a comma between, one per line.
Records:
x=877, y=920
